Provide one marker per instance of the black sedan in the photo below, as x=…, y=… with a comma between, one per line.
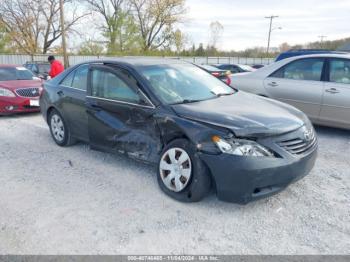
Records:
x=235, y=68
x=201, y=133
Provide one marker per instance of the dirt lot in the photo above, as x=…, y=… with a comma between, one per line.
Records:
x=76, y=201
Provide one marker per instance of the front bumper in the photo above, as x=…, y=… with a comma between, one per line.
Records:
x=243, y=179
x=13, y=105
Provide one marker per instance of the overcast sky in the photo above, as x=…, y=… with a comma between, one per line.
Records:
x=244, y=24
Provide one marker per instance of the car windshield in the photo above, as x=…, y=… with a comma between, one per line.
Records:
x=15, y=73
x=183, y=83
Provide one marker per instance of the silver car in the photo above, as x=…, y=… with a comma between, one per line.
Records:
x=318, y=85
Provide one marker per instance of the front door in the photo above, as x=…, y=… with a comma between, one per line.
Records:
x=120, y=117
x=336, y=100
x=299, y=84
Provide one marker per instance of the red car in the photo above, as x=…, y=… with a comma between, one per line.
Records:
x=19, y=90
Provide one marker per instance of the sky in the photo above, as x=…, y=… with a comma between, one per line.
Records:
x=245, y=26
x=302, y=21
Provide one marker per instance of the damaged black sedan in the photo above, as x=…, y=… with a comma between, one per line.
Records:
x=201, y=133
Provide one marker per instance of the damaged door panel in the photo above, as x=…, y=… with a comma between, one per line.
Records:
x=120, y=120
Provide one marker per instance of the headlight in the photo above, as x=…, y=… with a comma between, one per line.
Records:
x=6, y=92
x=241, y=147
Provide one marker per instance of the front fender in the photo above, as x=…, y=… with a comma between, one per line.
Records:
x=198, y=133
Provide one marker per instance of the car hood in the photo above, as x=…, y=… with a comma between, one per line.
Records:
x=246, y=115
x=12, y=85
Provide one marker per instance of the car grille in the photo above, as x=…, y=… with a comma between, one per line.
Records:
x=28, y=92
x=303, y=144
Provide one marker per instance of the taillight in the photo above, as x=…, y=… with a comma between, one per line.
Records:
x=216, y=74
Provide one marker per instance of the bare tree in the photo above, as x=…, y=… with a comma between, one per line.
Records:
x=33, y=25
x=118, y=23
x=155, y=20
x=216, y=30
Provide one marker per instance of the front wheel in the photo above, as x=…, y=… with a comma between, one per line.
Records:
x=181, y=173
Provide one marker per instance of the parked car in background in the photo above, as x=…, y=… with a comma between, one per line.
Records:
x=19, y=90
x=40, y=69
x=200, y=132
x=258, y=66
x=319, y=85
x=223, y=75
x=300, y=52
x=235, y=68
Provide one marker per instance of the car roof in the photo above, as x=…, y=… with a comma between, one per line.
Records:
x=138, y=61
x=300, y=52
x=331, y=55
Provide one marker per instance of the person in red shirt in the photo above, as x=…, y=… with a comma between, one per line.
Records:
x=56, y=66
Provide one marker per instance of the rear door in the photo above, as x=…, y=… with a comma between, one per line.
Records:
x=121, y=118
x=299, y=83
x=73, y=94
x=336, y=101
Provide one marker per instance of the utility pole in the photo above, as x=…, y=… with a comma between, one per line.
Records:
x=64, y=47
x=270, y=30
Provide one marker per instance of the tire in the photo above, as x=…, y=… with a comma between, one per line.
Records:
x=193, y=175
x=59, y=129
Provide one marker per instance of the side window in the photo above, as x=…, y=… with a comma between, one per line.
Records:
x=303, y=69
x=108, y=85
x=35, y=69
x=67, y=81
x=339, y=71
x=80, y=77
x=235, y=69
x=225, y=67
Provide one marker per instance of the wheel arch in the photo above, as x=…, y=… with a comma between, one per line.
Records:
x=49, y=110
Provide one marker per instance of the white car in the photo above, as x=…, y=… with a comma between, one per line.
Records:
x=318, y=85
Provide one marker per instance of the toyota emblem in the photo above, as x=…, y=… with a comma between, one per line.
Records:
x=307, y=135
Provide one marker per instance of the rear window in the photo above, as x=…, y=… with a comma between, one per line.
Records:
x=15, y=73
x=44, y=68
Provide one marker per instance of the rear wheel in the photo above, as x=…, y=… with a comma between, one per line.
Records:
x=182, y=175
x=59, y=130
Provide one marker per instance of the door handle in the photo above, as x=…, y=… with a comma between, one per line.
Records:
x=60, y=93
x=93, y=106
x=332, y=91
x=273, y=84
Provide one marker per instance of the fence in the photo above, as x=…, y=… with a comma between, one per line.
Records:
x=75, y=59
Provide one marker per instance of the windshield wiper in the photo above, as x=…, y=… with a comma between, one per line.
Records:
x=222, y=94
x=187, y=101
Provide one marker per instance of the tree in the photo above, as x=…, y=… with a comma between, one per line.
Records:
x=284, y=47
x=118, y=24
x=180, y=40
x=200, y=50
x=155, y=20
x=90, y=47
x=216, y=31
x=33, y=25
x=4, y=39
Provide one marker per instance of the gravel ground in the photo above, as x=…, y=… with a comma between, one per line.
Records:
x=77, y=201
